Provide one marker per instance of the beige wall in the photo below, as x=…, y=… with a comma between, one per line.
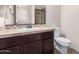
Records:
x=70, y=24
x=53, y=15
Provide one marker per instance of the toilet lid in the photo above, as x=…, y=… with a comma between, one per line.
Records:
x=62, y=39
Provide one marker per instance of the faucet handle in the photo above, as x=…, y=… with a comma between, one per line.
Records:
x=29, y=26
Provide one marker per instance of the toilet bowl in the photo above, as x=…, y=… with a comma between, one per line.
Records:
x=61, y=43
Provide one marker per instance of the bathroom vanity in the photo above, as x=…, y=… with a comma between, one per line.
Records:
x=32, y=42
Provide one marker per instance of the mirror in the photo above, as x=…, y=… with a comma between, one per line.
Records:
x=23, y=14
x=30, y=14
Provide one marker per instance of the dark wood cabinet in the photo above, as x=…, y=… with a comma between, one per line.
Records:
x=33, y=48
x=14, y=50
x=48, y=40
x=39, y=43
x=46, y=35
x=8, y=42
x=29, y=38
x=48, y=46
x=11, y=50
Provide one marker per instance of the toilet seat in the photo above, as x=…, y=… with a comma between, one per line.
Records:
x=62, y=40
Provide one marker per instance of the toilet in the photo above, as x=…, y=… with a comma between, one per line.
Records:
x=61, y=43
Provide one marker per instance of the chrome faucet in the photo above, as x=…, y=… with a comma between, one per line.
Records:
x=29, y=26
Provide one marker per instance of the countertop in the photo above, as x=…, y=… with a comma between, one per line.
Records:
x=23, y=31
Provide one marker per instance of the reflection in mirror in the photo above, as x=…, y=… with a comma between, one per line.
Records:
x=30, y=14
x=40, y=14
x=7, y=13
x=2, y=15
x=24, y=14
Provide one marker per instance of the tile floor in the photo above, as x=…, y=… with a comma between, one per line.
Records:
x=70, y=51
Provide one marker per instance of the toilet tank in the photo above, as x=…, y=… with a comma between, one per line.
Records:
x=56, y=32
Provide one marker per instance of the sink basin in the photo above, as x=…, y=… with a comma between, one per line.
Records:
x=29, y=29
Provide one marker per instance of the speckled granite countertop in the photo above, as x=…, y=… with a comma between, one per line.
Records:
x=23, y=31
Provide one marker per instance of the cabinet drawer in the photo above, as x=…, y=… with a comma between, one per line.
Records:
x=47, y=35
x=8, y=42
x=35, y=36
x=30, y=38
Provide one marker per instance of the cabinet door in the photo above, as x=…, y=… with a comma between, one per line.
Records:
x=12, y=50
x=9, y=42
x=34, y=47
x=48, y=46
